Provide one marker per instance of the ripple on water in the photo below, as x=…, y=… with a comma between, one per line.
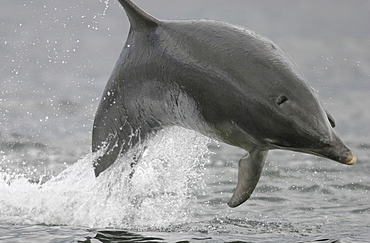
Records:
x=352, y=186
x=268, y=189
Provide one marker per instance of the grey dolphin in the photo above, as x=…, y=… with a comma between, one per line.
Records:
x=223, y=81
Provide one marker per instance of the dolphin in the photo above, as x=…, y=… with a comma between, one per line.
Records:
x=223, y=81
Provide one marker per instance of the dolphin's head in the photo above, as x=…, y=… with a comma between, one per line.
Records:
x=286, y=112
x=303, y=125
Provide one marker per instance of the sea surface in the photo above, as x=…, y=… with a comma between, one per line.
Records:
x=56, y=57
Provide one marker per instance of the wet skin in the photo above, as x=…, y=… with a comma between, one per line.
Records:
x=223, y=81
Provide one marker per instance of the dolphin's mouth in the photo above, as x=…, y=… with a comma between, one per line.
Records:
x=347, y=160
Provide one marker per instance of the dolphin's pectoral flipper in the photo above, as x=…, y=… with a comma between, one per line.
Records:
x=250, y=169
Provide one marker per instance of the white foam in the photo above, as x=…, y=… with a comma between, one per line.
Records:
x=166, y=179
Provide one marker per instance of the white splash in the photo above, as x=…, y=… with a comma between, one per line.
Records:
x=166, y=179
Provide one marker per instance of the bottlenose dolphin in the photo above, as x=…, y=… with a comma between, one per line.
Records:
x=221, y=80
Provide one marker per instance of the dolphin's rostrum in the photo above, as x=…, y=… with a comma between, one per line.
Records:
x=223, y=81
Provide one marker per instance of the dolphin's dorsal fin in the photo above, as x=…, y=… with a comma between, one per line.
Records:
x=250, y=169
x=138, y=18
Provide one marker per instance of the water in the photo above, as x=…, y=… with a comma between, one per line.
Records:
x=56, y=59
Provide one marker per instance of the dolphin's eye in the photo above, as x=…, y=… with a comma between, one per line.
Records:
x=281, y=99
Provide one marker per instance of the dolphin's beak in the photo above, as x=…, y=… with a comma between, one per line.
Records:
x=351, y=160
x=336, y=150
x=333, y=148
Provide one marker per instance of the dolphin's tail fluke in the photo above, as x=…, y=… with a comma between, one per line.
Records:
x=138, y=18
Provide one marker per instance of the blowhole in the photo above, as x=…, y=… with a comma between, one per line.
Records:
x=281, y=100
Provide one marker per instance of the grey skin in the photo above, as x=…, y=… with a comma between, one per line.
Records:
x=220, y=80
